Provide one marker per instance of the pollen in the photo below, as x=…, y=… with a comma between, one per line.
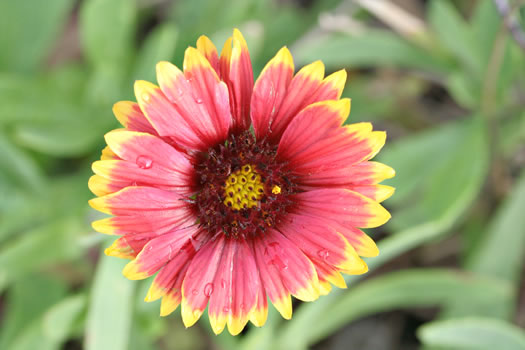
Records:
x=243, y=188
x=276, y=189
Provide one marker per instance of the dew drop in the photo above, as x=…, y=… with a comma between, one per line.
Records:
x=324, y=254
x=279, y=263
x=195, y=292
x=180, y=91
x=145, y=97
x=226, y=309
x=199, y=101
x=144, y=162
x=223, y=283
x=208, y=289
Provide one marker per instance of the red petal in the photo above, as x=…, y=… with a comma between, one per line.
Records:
x=233, y=293
x=343, y=206
x=208, y=91
x=157, y=252
x=313, y=142
x=281, y=259
x=154, y=222
x=200, y=275
x=131, y=117
x=245, y=286
x=128, y=247
x=206, y=47
x=298, y=96
x=363, y=173
x=321, y=242
x=140, y=200
x=269, y=92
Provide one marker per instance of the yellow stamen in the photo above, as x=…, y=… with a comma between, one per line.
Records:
x=276, y=189
x=243, y=189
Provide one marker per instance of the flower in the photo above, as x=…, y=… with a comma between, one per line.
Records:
x=234, y=193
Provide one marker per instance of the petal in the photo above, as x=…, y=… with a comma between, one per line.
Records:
x=312, y=144
x=236, y=71
x=177, y=116
x=234, y=289
x=363, y=173
x=108, y=154
x=157, y=252
x=149, y=152
x=208, y=91
x=362, y=243
x=128, y=247
x=328, y=275
x=343, y=206
x=124, y=173
x=321, y=242
x=272, y=284
x=331, y=87
x=206, y=47
x=168, y=282
x=154, y=222
x=314, y=124
x=259, y=313
x=298, y=96
x=378, y=193
x=245, y=287
x=280, y=259
x=270, y=90
x=199, y=277
x=131, y=117
x=100, y=186
x=140, y=200
x=220, y=289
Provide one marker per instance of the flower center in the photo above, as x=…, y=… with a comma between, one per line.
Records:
x=242, y=189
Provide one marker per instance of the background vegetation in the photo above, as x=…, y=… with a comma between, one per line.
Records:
x=446, y=79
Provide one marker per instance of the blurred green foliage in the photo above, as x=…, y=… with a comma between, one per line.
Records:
x=450, y=92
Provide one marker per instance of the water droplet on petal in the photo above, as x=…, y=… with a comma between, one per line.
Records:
x=324, y=254
x=208, y=289
x=195, y=292
x=144, y=162
x=226, y=309
x=223, y=283
x=180, y=91
x=145, y=97
x=199, y=100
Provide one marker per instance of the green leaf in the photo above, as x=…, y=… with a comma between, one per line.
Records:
x=59, y=320
x=107, y=30
x=109, y=317
x=424, y=164
x=502, y=253
x=372, y=48
x=18, y=168
x=485, y=24
x=75, y=136
x=472, y=333
x=26, y=301
x=454, y=33
x=29, y=29
x=158, y=46
x=51, y=243
x=410, y=288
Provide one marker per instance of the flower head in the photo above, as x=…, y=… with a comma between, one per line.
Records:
x=234, y=193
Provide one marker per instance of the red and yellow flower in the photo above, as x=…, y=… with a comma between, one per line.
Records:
x=234, y=193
